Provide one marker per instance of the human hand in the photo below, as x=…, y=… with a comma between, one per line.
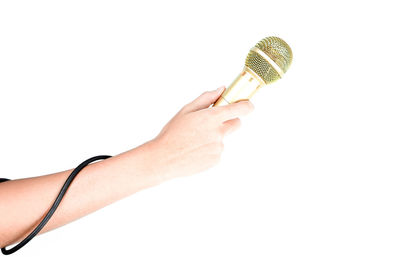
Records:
x=192, y=140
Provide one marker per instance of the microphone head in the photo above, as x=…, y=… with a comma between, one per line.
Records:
x=270, y=59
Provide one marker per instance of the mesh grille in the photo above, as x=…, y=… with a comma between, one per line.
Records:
x=261, y=67
x=278, y=50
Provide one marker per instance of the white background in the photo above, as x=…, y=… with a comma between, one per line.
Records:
x=314, y=170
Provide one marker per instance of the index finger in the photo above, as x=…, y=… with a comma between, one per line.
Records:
x=234, y=110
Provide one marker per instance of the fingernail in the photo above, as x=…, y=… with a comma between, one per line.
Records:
x=220, y=89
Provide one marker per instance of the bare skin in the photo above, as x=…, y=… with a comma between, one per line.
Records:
x=192, y=141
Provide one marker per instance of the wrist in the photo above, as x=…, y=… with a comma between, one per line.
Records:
x=146, y=164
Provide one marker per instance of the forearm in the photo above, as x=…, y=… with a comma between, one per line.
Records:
x=23, y=202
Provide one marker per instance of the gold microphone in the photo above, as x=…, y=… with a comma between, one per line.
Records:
x=266, y=62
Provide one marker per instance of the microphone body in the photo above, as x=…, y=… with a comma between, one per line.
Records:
x=266, y=62
x=243, y=87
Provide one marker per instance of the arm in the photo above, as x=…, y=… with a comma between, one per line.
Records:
x=189, y=143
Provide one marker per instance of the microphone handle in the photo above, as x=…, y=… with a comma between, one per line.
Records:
x=243, y=87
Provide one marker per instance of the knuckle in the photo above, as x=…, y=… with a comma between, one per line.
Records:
x=231, y=107
x=238, y=122
x=244, y=107
x=185, y=107
x=249, y=105
x=238, y=105
x=220, y=134
x=246, y=104
x=215, y=113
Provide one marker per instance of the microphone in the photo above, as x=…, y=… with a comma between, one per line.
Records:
x=266, y=62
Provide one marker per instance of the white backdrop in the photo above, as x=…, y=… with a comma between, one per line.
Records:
x=314, y=170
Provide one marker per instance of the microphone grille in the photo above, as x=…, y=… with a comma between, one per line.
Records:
x=278, y=51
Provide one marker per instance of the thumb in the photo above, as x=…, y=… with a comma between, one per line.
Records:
x=204, y=100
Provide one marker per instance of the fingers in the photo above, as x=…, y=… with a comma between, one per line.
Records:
x=234, y=110
x=204, y=100
x=230, y=126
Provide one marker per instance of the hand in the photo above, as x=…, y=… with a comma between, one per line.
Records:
x=192, y=140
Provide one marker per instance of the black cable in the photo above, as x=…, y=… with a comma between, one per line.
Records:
x=3, y=179
x=53, y=208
